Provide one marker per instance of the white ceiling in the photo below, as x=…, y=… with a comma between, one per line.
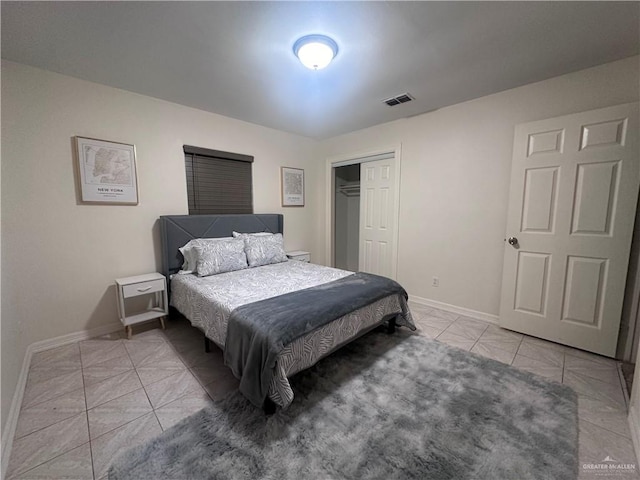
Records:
x=236, y=59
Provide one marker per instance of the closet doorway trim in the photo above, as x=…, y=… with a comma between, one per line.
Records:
x=335, y=161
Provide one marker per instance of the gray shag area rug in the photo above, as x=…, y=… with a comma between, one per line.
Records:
x=383, y=407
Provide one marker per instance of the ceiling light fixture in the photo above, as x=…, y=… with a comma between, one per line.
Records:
x=315, y=51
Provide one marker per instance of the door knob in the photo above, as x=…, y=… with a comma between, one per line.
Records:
x=513, y=241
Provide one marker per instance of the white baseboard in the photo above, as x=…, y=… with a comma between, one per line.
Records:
x=634, y=426
x=12, y=419
x=43, y=345
x=467, y=312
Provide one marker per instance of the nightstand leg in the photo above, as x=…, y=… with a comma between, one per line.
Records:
x=162, y=323
x=129, y=331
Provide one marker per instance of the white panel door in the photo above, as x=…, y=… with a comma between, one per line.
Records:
x=378, y=217
x=574, y=188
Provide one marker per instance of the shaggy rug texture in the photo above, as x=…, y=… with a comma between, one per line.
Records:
x=384, y=407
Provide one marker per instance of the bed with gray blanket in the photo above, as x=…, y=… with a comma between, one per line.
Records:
x=276, y=320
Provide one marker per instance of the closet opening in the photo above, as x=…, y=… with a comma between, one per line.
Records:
x=363, y=202
x=347, y=217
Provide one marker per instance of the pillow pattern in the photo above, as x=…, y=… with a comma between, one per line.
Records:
x=190, y=255
x=220, y=257
x=264, y=250
x=256, y=234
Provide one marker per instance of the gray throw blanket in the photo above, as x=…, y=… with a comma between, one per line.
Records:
x=257, y=332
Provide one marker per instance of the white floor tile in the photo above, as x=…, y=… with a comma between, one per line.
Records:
x=455, y=340
x=428, y=331
x=111, y=388
x=496, y=333
x=151, y=374
x=152, y=354
x=183, y=407
x=590, y=357
x=103, y=370
x=150, y=332
x=52, y=411
x=538, y=367
x=607, y=375
x=444, y=315
x=50, y=442
x=598, y=445
x=435, y=322
x=510, y=346
x=67, y=356
x=73, y=465
x=117, y=412
x=45, y=384
x=107, y=447
x=171, y=388
x=603, y=415
x=98, y=351
x=541, y=352
x=605, y=392
x=493, y=352
x=471, y=330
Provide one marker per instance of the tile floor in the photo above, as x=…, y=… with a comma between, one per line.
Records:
x=85, y=403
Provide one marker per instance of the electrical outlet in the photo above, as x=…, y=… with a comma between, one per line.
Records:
x=435, y=282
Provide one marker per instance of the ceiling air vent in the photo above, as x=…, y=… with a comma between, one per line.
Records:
x=397, y=100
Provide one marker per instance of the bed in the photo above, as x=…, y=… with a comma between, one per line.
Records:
x=210, y=302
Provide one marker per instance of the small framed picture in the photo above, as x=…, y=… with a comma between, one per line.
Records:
x=107, y=172
x=292, y=184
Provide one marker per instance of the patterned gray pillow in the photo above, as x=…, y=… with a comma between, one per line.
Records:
x=190, y=255
x=264, y=250
x=221, y=256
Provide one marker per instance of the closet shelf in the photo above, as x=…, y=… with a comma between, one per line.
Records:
x=350, y=190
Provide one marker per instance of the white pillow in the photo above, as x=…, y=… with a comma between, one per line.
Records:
x=190, y=254
x=256, y=234
x=220, y=257
x=264, y=250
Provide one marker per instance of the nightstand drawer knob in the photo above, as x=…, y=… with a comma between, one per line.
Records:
x=144, y=289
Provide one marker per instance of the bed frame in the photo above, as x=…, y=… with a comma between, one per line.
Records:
x=177, y=230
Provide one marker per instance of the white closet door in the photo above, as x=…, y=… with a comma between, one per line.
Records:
x=379, y=200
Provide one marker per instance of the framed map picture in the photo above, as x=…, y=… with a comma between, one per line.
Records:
x=292, y=184
x=107, y=171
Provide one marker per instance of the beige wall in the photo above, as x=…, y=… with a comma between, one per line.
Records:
x=59, y=258
x=456, y=165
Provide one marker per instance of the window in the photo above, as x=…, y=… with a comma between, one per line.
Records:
x=218, y=182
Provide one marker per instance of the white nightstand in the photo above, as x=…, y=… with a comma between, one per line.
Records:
x=299, y=255
x=158, y=307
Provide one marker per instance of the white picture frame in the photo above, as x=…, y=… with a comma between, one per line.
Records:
x=107, y=172
x=292, y=186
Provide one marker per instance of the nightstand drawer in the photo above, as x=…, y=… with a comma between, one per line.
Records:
x=142, y=288
x=299, y=255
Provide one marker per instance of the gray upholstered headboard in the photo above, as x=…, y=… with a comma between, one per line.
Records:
x=176, y=230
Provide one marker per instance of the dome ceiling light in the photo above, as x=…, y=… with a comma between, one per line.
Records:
x=315, y=51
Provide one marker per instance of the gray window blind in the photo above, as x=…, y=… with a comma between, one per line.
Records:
x=218, y=182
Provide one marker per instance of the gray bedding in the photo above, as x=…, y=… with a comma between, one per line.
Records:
x=208, y=302
x=257, y=332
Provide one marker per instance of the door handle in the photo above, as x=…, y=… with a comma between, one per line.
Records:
x=513, y=241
